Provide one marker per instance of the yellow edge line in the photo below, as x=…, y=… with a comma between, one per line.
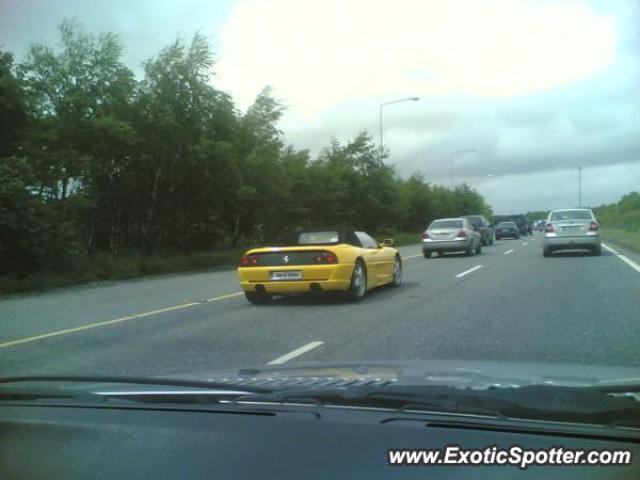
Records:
x=114, y=321
x=105, y=323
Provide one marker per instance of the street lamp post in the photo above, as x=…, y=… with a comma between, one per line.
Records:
x=382, y=105
x=580, y=186
x=451, y=160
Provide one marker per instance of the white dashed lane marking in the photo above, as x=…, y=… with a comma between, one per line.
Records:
x=467, y=272
x=295, y=353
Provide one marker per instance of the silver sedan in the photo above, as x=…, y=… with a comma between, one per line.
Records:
x=571, y=229
x=451, y=235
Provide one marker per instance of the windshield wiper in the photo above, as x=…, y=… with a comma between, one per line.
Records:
x=171, y=382
x=535, y=402
x=612, y=404
x=615, y=387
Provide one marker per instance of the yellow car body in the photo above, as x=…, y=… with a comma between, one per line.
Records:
x=301, y=269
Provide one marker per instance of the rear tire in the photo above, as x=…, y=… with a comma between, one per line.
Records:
x=427, y=254
x=546, y=252
x=358, y=288
x=479, y=249
x=493, y=240
x=397, y=272
x=469, y=251
x=596, y=251
x=258, y=298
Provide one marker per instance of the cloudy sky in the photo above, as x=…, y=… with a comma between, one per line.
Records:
x=535, y=88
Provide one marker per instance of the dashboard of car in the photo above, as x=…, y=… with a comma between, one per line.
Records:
x=81, y=442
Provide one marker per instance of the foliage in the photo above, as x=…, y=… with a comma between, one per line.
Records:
x=625, y=238
x=624, y=214
x=96, y=164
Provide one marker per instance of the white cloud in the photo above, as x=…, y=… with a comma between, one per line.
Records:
x=536, y=87
x=318, y=54
x=559, y=188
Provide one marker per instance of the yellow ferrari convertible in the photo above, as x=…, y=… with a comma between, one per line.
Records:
x=345, y=260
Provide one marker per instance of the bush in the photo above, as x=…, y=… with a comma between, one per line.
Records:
x=105, y=267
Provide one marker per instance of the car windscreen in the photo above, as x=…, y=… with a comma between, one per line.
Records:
x=312, y=238
x=445, y=224
x=205, y=197
x=571, y=215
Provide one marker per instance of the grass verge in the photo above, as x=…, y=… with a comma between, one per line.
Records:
x=400, y=238
x=101, y=268
x=105, y=267
x=625, y=238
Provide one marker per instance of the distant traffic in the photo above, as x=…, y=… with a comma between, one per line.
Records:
x=352, y=262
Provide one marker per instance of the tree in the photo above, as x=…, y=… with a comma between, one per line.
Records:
x=13, y=115
x=94, y=161
x=417, y=203
x=180, y=116
x=357, y=184
x=67, y=91
x=33, y=235
x=80, y=138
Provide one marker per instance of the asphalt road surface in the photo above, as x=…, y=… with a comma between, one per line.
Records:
x=507, y=304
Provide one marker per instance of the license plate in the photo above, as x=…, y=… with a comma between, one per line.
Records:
x=572, y=228
x=285, y=276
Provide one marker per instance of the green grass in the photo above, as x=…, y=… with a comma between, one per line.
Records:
x=625, y=238
x=401, y=238
x=102, y=268
x=105, y=267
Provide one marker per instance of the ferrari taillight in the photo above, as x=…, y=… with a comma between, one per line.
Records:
x=326, y=258
x=249, y=261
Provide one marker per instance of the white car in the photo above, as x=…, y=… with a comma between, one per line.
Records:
x=571, y=229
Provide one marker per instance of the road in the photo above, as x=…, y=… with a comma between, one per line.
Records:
x=509, y=303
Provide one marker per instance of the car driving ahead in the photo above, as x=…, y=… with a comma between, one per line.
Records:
x=571, y=229
x=520, y=220
x=484, y=227
x=451, y=235
x=332, y=259
x=507, y=230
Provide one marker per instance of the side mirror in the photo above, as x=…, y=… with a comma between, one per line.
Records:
x=388, y=242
